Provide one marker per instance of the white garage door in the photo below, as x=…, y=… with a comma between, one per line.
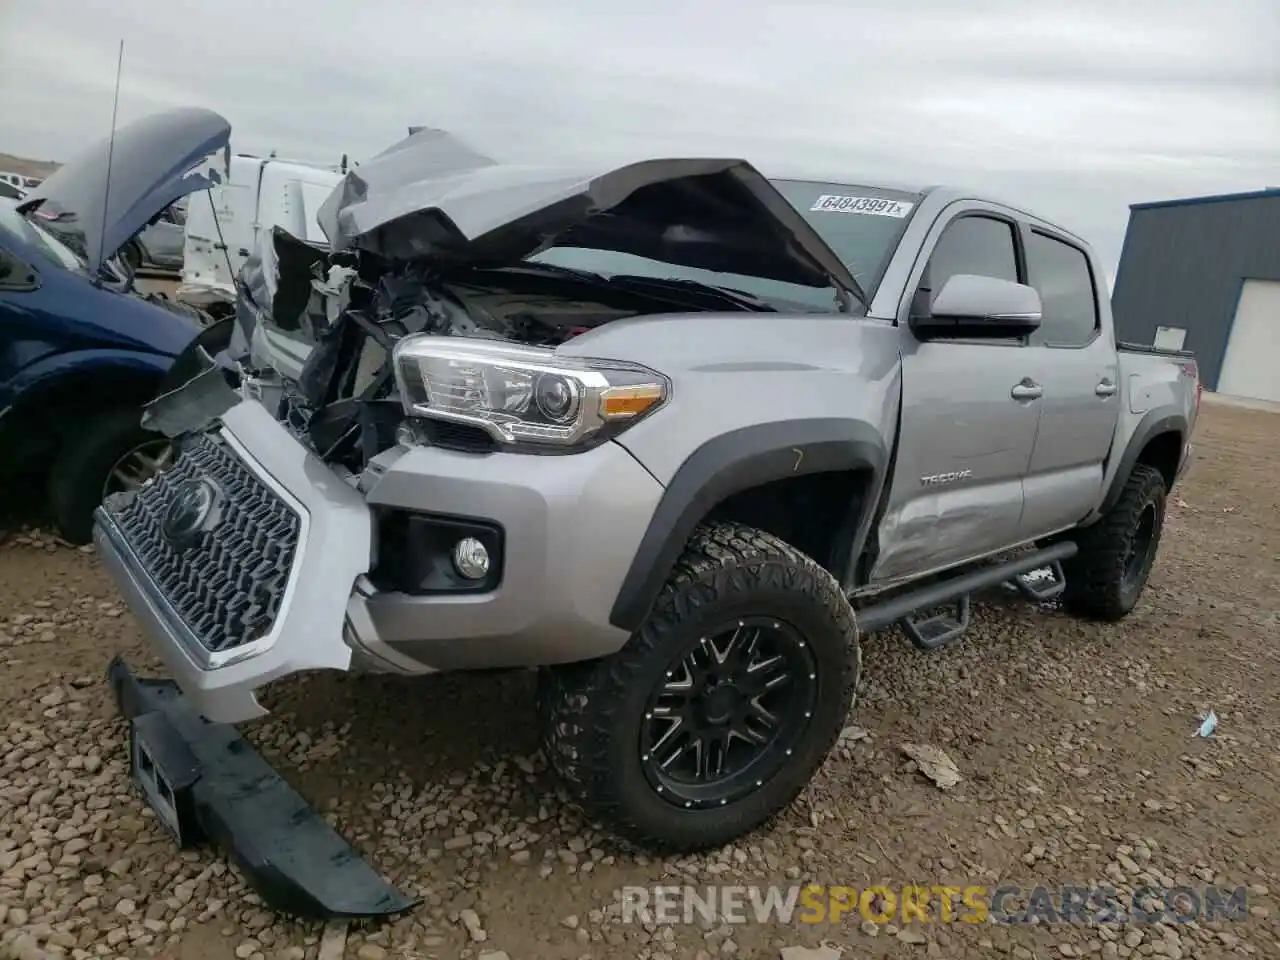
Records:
x=1251, y=367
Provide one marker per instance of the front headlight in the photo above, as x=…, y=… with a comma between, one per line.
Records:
x=523, y=395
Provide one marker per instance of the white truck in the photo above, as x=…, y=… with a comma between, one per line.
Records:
x=225, y=222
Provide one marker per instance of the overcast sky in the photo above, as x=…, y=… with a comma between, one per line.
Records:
x=1074, y=108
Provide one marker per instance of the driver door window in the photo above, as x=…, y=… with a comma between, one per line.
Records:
x=983, y=246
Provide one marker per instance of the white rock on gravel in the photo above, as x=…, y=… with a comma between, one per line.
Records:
x=934, y=763
x=333, y=942
x=809, y=953
x=471, y=920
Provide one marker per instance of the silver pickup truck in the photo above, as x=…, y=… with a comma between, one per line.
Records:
x=670, y=432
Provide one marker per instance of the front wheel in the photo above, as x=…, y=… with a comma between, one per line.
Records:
x=132, y=254
x=108, y=453
x=718, y=712
x=1106, y=578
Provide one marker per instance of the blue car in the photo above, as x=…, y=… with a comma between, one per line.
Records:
x=80, y=350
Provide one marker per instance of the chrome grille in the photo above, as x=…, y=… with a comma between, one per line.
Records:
x=228, y=583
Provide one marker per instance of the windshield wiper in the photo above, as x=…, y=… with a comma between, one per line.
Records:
x=740, y=297
x=557, y=268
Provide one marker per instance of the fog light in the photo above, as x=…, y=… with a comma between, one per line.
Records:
x=471, y=559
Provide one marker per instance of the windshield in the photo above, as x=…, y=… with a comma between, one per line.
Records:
x=861, y=224
x=31, y=232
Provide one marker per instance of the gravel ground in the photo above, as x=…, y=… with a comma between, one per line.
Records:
x=1073, y=742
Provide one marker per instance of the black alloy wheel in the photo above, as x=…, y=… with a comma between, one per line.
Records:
x=729, y=713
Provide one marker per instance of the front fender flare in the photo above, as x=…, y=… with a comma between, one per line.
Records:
x=92, y=379
x=736, y=461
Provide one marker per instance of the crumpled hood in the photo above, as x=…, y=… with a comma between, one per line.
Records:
x=432, y=196
x=154, y=161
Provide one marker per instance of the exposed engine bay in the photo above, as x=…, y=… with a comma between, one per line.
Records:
x=355, y=306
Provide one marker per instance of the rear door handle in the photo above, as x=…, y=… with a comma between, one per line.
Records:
x=1105, y=389
x=1026, y=389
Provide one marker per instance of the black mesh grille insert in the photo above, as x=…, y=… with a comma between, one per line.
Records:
x=229, y=584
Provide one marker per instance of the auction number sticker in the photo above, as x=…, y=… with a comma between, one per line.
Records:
x=869, y=206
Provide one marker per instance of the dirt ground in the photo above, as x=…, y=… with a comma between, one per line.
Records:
x=1074, y=743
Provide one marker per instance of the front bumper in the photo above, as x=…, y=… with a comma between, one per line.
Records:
x=571, y=527
x=206, y=782
x=334, y=544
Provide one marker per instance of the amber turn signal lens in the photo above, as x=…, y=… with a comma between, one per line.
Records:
x=619, y=403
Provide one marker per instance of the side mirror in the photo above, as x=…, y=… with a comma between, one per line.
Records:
x=972, y=307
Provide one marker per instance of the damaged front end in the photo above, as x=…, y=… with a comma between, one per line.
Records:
x=433, y=240
x=322, y=513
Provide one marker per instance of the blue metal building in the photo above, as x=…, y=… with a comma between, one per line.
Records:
x=1203, y=274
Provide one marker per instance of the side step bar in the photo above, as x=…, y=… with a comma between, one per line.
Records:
x=957, y=589
x=205, y=782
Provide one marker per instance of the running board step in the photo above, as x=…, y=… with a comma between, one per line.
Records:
x=1041, y=584
x=901, y=607
x=206, y=782
x=938, y=629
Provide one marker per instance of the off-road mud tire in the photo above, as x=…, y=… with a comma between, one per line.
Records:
x=592, y=712
x=1097, y=584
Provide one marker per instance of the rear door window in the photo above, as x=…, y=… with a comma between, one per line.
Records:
x=1061, y=275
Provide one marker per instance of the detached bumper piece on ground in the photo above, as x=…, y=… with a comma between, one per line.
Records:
x=205, y=782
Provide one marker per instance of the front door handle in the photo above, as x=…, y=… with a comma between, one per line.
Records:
x=1026, y=389
x=1105, y=389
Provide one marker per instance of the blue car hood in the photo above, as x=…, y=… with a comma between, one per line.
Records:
x=153, y=162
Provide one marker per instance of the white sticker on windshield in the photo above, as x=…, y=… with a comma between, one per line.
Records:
x=869, y=206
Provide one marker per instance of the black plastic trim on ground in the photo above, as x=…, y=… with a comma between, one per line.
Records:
x=224, y=791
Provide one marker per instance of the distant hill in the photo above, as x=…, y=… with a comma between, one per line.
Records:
x=27, y=168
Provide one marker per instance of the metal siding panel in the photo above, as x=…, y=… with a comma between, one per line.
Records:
x=1183, y=266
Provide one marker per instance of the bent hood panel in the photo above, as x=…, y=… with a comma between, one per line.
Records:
x=154, y=161
x=430, y=195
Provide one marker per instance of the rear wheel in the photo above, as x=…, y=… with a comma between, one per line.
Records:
x=1106, y=578
x=717, y=713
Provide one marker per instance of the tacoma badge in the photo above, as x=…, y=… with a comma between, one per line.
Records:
x=936, y=478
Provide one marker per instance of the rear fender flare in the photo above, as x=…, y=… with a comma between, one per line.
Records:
x=736, y=461
x=1152, y=425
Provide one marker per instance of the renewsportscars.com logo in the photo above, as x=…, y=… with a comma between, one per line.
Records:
x=1090, y=905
